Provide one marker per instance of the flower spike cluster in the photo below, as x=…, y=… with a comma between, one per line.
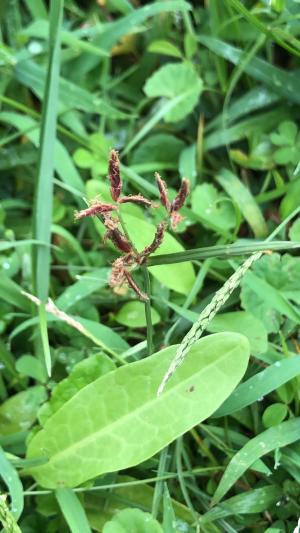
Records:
x=131, y=258
x=178, y=202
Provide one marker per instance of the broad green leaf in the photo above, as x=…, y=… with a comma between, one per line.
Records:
x=19, y=412
x=259, y=385
x=172, y=80
x=274, y=414
x=175, y=278
x=73, y=511
x=245, y=323
x=84, y=373
x=131, y=423
x=165, y=48
x=132, y=521
x=213, y=206
x=244, y=200
x=286, y=135
x=275, y=437
x=254, y=501
x=132, y=315
x=30, y=366
x=83, y=158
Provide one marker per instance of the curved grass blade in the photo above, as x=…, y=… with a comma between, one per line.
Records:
x=11, y=479
x=254, y=501
x=243, y=198
x=73, y=511
x=279, y=80
x=271, y=439
x=259, y=385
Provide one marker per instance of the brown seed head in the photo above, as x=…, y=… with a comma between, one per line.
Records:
x=135, y=199
x=175, y=219
x=163, y=191
x=114, y=175
x=181, y=197
x=120, y=241
x=142, y=296
x=96, y=208
x=158, y=238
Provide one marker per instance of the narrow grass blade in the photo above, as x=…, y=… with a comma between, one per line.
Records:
x=221, y=252
x=254, y=501
x=271, y=439
x=281, y=81
x=11, y=479
x=161, y=113
x=259, y=385
x=11, y=292
x=73, y=511
x=267, y=30
x=244, y=200
x=43, y=206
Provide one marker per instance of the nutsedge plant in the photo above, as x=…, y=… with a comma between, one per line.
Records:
x=116, y=232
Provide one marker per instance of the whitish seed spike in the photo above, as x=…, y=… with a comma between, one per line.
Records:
x=206, y=316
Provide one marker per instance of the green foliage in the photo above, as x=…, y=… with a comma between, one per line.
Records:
x=180, y=84
x=207, y=91
x=180, y=278
x=127, y=400
x=132, y=521
x=280, y=273
x=132, y=315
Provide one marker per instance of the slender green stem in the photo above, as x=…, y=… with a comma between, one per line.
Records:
x=148, y=310
x=220, y=252
x=158, y=490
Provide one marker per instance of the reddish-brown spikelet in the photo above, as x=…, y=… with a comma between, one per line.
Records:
x=142, y=296
x=163, y=191
x=96, y=208
x=120, y=241
x=181, y=197
x=155, y=244
x=176, y=218
x=117, y=273
x=135, y=199
x=114, y=175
